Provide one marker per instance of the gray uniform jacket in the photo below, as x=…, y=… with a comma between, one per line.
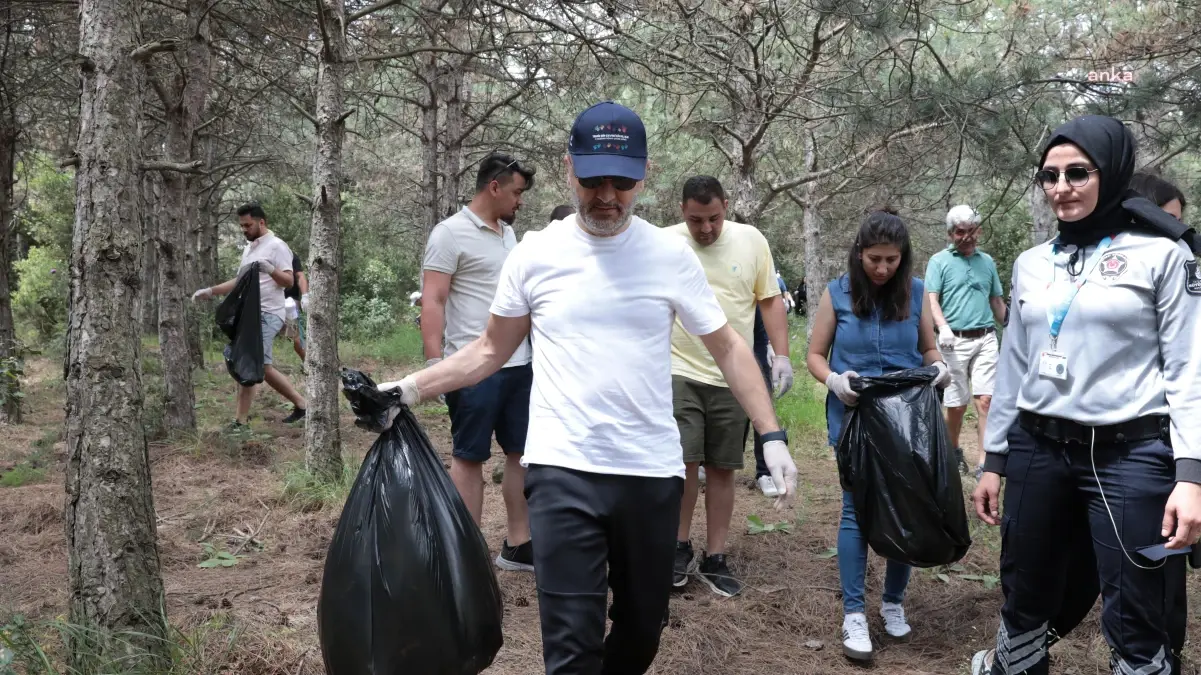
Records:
x=1131, y=338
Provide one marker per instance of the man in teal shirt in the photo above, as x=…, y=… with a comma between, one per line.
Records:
x=966, y=298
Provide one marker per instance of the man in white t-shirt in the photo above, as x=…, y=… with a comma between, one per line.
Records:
x=605, y=470
x=275, y=274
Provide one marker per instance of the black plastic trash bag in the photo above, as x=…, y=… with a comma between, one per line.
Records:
x=239, y=316
x=896, y=460
x=408, y=587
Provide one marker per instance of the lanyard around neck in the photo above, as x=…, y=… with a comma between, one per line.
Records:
x=1057, y=310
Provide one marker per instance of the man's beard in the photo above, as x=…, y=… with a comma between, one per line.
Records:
x=601, y=228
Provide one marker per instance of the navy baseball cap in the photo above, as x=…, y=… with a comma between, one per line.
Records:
x=608, y=139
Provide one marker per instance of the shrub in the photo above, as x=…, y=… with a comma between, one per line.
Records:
x=40, y=301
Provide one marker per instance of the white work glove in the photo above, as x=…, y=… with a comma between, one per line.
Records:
x=944, y=375
x=782, y=469
x=304, y=302
x=946, y=338
x=202, y=294
x=781, y=375
x=840, y=384
x=409, y=395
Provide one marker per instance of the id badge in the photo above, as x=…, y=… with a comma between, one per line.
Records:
x=1053, y=365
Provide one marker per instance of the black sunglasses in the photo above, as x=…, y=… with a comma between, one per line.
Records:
x=1076, y=176
x=516, y=167
x=620, y=183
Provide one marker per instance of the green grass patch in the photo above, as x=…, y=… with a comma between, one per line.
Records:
x=22, y=474
x=33, y=468
x=402, y=345
x=802, y=411
x=41, y=648
x=310, y=492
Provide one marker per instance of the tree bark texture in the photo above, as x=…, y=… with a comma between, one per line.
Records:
x=452, y=153
x=180, y=344
x=811, y=234
x=205, y=232
x=110, y=522
x=193, y=105
x=10, y=409
x=323, y=444
x=151, y=196
x=1045, y=223
x=429, y=142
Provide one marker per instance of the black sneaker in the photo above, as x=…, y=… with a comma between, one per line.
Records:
x=717, y=576
x=516, y=558
x=963, y=467
x=297, y=415
x=684, y=565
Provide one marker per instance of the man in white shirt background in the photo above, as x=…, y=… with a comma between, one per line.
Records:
x=275, y=274
x=604, y=462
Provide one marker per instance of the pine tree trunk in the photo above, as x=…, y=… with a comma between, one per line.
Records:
x=811, y=235
x=323, y=444
x=193, y=104
x=207, y=240
x=429, y=142
x=110, y=522
x=206, y=230
x=150, y=198
x=452, y=154
x=1045, y=222
x=173, y=334
x=10, y=407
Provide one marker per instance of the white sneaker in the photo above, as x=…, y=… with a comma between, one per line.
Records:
x=768, y=486
x=894, y=620
x=856, y=641
x=982, y=662
x=700, y=474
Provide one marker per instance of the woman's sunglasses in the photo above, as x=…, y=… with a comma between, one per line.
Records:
x=621, y=184
x=1076, y=176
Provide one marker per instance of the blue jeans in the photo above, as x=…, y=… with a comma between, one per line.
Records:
x=852, y=564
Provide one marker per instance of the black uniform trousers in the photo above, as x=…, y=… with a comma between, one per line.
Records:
x=593, y=532
x=1053, y=509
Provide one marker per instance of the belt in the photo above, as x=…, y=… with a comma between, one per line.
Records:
x=973, y=332
x=1066, y=431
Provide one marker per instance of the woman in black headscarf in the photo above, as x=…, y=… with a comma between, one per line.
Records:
x=1096, y=417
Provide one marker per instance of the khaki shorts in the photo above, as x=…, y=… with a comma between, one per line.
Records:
x=713, y=426
x=973, y=365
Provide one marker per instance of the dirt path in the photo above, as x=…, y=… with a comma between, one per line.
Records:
x=786, y=622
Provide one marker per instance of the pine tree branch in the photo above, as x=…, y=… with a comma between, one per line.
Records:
x=178, y=167
x=150, y=49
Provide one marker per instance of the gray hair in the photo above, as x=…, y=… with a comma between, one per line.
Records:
x=962, y=214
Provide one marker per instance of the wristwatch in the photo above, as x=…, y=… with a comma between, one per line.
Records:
x=770, y=436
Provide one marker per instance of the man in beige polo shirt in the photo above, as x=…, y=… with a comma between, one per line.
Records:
x=463, y=260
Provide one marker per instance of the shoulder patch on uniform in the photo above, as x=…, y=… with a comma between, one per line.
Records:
x=1192, y=277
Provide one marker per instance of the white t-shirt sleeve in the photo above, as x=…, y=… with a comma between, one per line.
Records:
x=511, y=299
x=693, y=298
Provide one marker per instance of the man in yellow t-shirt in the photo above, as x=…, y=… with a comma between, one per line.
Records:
x=713, y=427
